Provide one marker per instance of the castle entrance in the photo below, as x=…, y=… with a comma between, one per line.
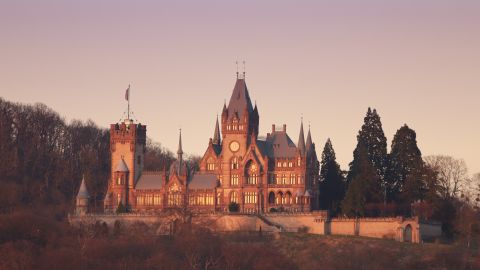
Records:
x=407, y=235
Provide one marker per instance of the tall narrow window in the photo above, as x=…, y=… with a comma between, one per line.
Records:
x=234, y=197
x=234, y=180
x=210, y=164
x=234, y=163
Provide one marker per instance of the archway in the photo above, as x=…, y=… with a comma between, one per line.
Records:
x=407, y=235
x=271, y=198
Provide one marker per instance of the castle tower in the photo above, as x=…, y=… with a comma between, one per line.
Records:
x=81, y=206
x=127, y=148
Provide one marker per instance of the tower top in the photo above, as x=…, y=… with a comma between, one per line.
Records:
x=180, y=150
x=83, y=192
x=301, y=139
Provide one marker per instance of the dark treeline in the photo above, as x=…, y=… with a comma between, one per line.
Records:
x=43, y=158
x=401, y=182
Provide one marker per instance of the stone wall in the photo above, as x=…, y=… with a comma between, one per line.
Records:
x=399, y=229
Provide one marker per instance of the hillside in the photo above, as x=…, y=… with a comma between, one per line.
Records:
x=337, y=252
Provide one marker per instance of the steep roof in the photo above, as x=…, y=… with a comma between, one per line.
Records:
x=203, y=181
x=83, y=192
x=216, y=135
x=240, y=100
x=281, y=145
x=301, y=140
x=121, y=166
x=150, y=180
x=309, y=143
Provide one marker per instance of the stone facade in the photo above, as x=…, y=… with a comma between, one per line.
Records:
x=258, y=174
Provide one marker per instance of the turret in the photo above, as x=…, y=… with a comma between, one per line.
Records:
x=81, y=207
x=301, y=140
x=216, y=135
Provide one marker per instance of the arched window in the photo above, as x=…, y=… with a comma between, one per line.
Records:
x=284, y=179
x=288, y=197
x=279, y=198
x=234, y=163
x=251, y=173
x=234, y=197
x=271, y=197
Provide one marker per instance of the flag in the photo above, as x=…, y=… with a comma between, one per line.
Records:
x=127, y=93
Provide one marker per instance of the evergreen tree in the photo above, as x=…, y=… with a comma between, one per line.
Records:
x=332, y=186
x=405, y=168
x=372, y=137
x=365, y=187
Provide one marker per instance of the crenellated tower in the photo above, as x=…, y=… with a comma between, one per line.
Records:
x=127, y=147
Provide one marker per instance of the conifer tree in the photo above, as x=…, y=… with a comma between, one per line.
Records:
x=365, y=186
x=405, y=168
x=372, y=138
x=332, y=186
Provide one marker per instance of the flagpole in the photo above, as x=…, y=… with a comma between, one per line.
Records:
x=128, y=108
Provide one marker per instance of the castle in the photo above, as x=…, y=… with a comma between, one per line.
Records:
x=255, y=174
x=270, y=180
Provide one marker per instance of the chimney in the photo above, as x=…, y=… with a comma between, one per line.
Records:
x=273, y=128
x=284, y=128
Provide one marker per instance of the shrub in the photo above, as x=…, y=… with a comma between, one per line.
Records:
x=233, y=207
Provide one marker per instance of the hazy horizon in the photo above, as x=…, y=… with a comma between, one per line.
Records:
x=416, y=63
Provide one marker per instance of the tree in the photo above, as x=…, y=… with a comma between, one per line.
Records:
x=233, y=207
x=404, y=174
x=371, y=136
x=452, y=175
x=365, y=187
x=476, y=190
x=332, y=186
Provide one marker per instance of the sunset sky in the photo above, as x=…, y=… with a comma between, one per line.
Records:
x=416, y=62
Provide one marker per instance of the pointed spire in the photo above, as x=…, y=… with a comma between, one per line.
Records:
x=216, y=134
x=180, y=150
x=240, y=101
x=301, y=140
x=83, y=192
x=309, y=143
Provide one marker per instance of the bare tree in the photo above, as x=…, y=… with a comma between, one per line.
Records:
x=476, y=190
x=452, y=175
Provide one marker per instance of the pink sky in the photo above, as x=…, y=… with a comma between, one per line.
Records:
x=417, y=62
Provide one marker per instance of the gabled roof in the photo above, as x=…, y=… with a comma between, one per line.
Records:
x=240, y=100
x=83, y=192
x=203, y=181
x=121, y=166
x=281, y=146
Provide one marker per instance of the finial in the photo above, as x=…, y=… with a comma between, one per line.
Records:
x=243, y=68
x=236, y=63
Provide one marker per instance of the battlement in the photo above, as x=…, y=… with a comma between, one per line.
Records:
x=128, y=130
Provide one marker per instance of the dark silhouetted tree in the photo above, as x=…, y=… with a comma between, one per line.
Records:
x=365, y=187
x=332, y=185
x=405, y=172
